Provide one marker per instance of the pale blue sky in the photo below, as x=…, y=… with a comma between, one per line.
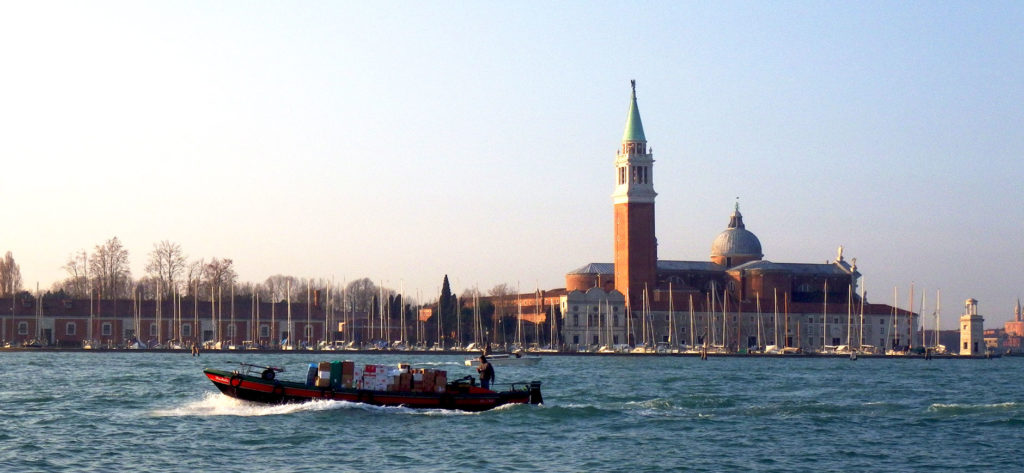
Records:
x=407, y=140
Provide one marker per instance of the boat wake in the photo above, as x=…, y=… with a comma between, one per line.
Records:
x=217, y=404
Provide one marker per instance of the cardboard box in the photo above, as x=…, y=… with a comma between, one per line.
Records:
x=348, y=367
x=346, y=381
x=323, y=382
x=336, y=373
x=441, y=381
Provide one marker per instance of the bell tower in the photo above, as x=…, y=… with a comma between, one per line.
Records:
x=636, y=247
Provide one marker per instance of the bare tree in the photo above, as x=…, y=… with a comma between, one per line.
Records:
x=10, y=275
x=109, y=267
x=77, y=267
x=166, y=264
x=360, y=294
x=220, y=274
x=193, y=276
x=276, y=287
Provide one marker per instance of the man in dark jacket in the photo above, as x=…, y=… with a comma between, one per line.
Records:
x=486, y=372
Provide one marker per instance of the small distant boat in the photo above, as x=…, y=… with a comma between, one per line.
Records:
x=259, y=384
x=506, y=359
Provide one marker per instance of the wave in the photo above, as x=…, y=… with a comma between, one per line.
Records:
x=965, y=408
x=217, y=404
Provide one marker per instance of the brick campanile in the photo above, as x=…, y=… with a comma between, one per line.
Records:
x=636, y=247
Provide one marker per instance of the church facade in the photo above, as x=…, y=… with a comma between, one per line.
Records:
x=735, y=300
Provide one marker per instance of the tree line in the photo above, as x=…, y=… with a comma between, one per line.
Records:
x=105, y=273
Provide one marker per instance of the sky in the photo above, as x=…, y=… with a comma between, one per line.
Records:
x=405, y=141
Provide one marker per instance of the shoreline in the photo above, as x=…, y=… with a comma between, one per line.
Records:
x=474, y=353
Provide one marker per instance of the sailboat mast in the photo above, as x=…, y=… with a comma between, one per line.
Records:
x=289, y=326
x=775, y=323
x=924, y=343
x=849, y=315
x=233, y=313
x=692, y=326
x=672, y=340
x=938, y=312
x=860, y=344
x=760, y=331
x=824, y=318
x=910, y=318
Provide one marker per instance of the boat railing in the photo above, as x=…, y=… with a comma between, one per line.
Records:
x=265, y=372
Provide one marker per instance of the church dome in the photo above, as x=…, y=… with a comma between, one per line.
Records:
x=736, y=245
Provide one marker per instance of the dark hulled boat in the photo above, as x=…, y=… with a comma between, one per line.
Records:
x=462, y=394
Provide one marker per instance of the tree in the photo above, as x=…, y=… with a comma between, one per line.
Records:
x=166, y=265
x=10, y=275
x=501, y=295
x=220, y=273
x=360, y=294
x=77, y=268
x=193, y=276
x=109, y=267
x=444, y=304
x=276, y=287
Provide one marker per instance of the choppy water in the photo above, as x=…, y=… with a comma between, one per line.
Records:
x=157, y=412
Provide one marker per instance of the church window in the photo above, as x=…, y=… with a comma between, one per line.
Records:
x=106, y=329
x=71, y=328
x=576, y=319
x=22, y=328
x=152, y=330
x=186, y=330
x=264, y=331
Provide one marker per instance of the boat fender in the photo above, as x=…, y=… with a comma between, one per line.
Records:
x=235, y=381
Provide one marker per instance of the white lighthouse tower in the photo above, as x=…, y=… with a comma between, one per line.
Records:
x=972, y=331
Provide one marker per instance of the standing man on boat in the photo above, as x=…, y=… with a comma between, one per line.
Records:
x=486, y=372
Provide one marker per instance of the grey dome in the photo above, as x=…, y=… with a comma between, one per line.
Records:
x=736, y=240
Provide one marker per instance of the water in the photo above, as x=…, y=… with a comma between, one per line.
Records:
x=97, y=411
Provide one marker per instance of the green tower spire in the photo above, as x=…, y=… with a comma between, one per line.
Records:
x=634, y=128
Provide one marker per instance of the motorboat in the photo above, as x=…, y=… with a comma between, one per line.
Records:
x=375, y=386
